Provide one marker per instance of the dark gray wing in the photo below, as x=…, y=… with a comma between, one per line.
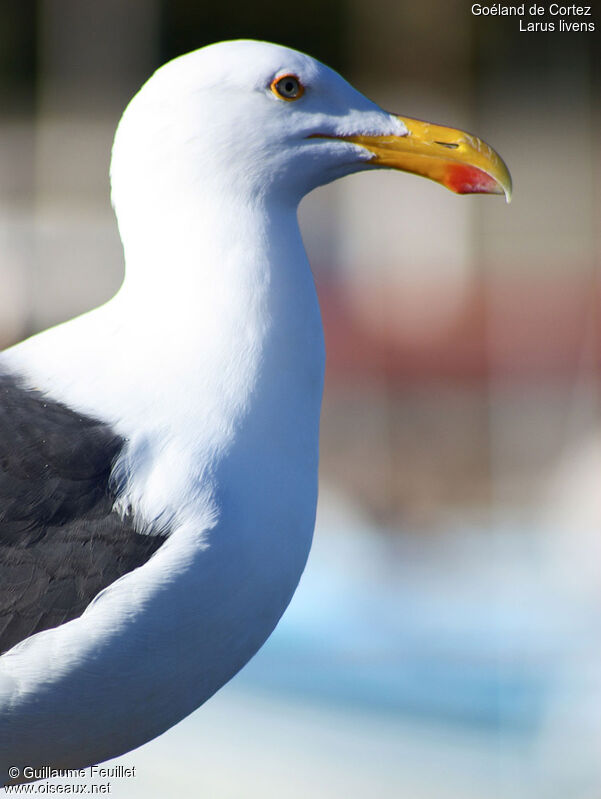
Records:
x=60, y=540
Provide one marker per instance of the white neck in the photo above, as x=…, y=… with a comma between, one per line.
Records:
x=221, y=308
x=210, y=360
x=232, y=330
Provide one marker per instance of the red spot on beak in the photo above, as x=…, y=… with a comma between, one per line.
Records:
x=464, y=179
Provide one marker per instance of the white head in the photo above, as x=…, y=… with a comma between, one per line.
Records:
x=217, y=106
x=215, y=119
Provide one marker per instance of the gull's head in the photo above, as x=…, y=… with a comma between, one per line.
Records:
x=252, y=119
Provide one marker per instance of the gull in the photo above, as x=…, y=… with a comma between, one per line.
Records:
x=159, y=454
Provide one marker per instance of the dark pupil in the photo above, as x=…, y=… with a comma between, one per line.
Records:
x=289, y=87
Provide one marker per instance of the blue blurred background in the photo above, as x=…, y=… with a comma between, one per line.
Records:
x=446, y=637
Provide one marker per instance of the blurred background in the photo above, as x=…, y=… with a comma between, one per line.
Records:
x=446, y=637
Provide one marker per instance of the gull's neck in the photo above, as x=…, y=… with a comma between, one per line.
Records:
x=203, y=288
x=212, y=367
x=217, y=326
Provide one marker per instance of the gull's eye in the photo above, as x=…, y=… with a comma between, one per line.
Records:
x=288, y=87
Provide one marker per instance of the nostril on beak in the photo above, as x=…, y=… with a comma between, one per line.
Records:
x=448, y=144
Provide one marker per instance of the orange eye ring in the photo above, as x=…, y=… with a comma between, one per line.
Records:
x=287, y=87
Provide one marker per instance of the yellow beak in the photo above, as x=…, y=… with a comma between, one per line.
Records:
x=461, y=162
